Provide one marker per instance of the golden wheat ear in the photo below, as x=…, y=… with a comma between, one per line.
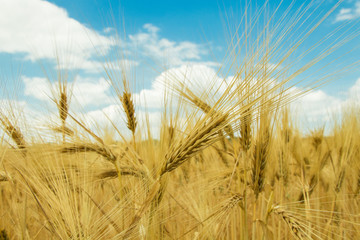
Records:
x=63, y=105
x=60, y=92
x=65, y=130
x=261, y=151
x=3, y=176
x=4, y=235
x=13, y=132
x=295, y=226
x=63, y=102
x=101, y=150
x=129, y=108
x=203, y=135
x=245, y=129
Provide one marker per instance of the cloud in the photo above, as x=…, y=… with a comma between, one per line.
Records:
x=41, y=29
x=355, y=90
x=348, y=13
x=196, y=76
x=86, y=91
x=92, y=92
x=37, y=87
x=106, y=115
x=316, y=107
x=20, y=113
x=114, y=115
x=354, y=95
x=200, y=78
x=109, y=30
x=150, y=44
x=312, y=110
x=151, y=28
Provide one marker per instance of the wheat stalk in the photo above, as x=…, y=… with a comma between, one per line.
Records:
x=144, y=207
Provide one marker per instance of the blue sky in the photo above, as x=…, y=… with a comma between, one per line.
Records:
x=179, y=34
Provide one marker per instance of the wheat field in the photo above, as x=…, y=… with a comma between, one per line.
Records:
x=228, y=162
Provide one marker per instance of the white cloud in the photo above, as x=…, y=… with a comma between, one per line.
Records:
x=195, y=76
x=92, y=92
x=354, y=95
x=41, y=29
x=15, y=107
x=37, y=87
x=114, y=115
x=108, y=30
x=97, y=66
x=151, y=28
x=199, y=78
x=348, y=13
x=150, y=98
x=314, y=109
x=23, y=116
x=106, y=115
x=164, y=50
x=86, y=91
x=355, y=90
x=317, y=107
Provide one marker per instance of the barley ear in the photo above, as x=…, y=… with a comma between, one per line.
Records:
x=13, y=132
x=129, y=108
x=259, y=160
x=294, y=224
x=63, y=106
x=4, y=235
x=245, y=130
x=3, y=177
x=205, y=133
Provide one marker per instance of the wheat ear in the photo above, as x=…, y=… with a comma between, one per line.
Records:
x=101, y=150
x=124, y=171
x=62, y=103
x=245, y=130
x=259, y=162
x=128, y=106
x=13, y=132
x=4, y=235
x=292, y=222
x=202, y=136
x=3, y=176
x=206, y=108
